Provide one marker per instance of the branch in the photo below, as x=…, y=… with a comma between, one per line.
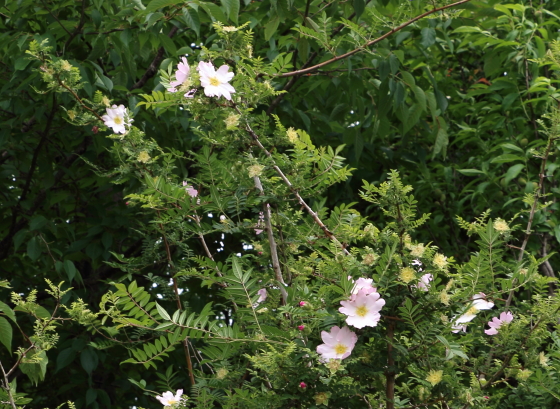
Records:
x=153, y=68
x=294, y=191
x=7, y=387
x=272, y=242
x=78, y=28
x=532, y=212
x=370, y=43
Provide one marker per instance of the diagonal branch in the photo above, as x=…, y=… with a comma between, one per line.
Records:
x=152, y=69
x=370, y=43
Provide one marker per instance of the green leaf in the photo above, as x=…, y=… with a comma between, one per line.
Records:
x=214, y=11
x=428, y=37
x=65, y=358
x=158, y=4
x=89, y=360
x=359, y=7
x=168, y=44
x=513, y=171
x=70, y=270
x=470, y=172
x=507, y=157
x=34, y=248
x=271, y=27
x=162, y=312
x=36, y=372
x=6, y=334
x=232, y=9
x=7, y=311
x=192, y=20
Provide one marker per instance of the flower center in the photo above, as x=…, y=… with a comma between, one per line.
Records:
x=172, y=401
x=118, y=120
x=214, y=81
x=361, y=311
x=340, y=349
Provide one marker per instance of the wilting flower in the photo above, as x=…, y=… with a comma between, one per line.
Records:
x=338, y=344
x=434, y=377
x=262, y=295
x=505, y=318
x=424, y=283
x=117, y=118
x=322, y=398
x=363, y=309
x=369, y=259
x=215, y=83
x=221, y=373
x=181, y=76
x=232, y=121
x=478, y=304
x=416, y=250
x=167, y=398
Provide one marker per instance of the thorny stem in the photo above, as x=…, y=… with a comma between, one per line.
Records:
x=179, y=306
x=370, y=43
x=7, y=387
x=532, y=212
x=272, y=243
x=294, y=191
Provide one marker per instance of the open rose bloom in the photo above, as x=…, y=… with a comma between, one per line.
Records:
x=505, y=318
x=168, y=399
x=215, y=82
x=117, y=118
x=338, y=344
x=363, y=309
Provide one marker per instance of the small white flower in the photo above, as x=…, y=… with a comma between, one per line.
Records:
x=215, y=83
x=117, y=118
x=167, y=398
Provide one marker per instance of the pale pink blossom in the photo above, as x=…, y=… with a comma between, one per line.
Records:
x=364, y=284
x=192, y=192
x=215, y=82
x=505, y=318
x=338, y=343
x=262, y=295
x=168, y=399
x=363, y=309
x=181, y=75
x=117, y=118
x=479, y=303
x=424, y=283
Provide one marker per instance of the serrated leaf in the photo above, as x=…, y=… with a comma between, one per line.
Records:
x=271, y=27
x=214, y=12
x=158, y=4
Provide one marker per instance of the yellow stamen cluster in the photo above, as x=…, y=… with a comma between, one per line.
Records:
x=407, y=274
x=416, y=250
x=440, y=261
x=143, y=157
x=501, y=226
x=214, y=81
x=255, y=170
x=322, y=398
x=434, y=377
x=340, y=349
x=543, y=360
x=361, y=311
x=292, y=135
x=221, y=373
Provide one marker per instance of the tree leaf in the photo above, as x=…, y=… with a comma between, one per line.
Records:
x=163, y=313
x=6, y=334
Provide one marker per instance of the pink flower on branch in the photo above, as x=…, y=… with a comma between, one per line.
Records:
x=364, y=284
x=215, y=82
x=363, y=309
x=424, y=283
x=262, y=295
x=505, y=318
x=338, y=344
x=181, y=75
